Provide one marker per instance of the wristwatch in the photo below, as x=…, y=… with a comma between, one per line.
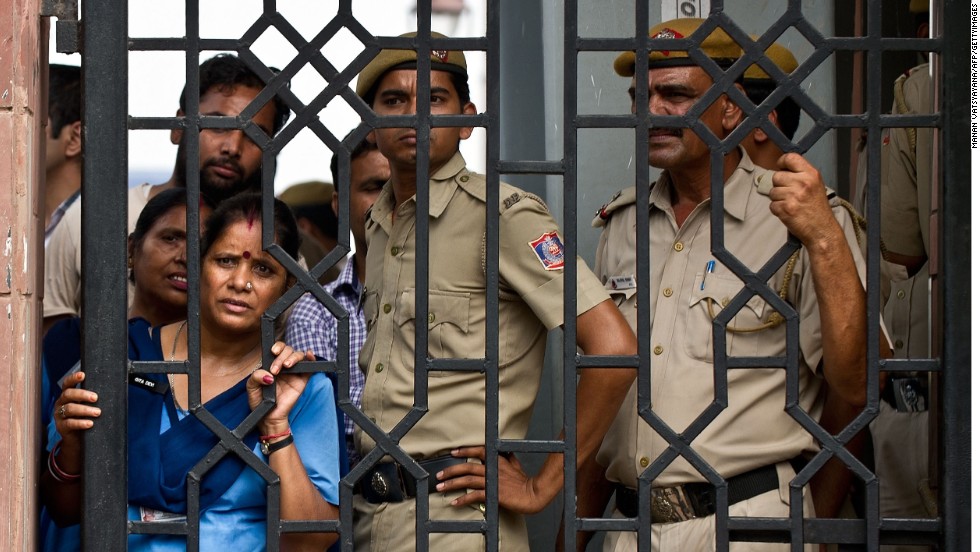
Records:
x=268, y=448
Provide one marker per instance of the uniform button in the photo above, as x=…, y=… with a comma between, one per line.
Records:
x=464, y=178
x=379, y=367
x=725, y=301
x=678, y=246
x=899, y=344
x=658, y=350
x=395, y=250
x=432, y=317
x=387, y=308
x=901, y=294
x=668, y=292
x=644, y=462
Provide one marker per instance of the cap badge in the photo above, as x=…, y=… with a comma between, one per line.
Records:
x=667, y=33
x=441, y=55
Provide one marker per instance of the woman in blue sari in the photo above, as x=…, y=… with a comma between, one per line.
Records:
x=296, y=438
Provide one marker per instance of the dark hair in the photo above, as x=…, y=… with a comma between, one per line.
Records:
x=787, y=112
x=248, y=206
x=64, y=96
x=158, y=206
x=360, y=149
x=460, y=83
x=226, y=71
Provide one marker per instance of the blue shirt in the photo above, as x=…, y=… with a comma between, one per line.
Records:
x=311, y=326
x=236, y=521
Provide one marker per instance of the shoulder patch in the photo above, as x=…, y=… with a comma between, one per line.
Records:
x=620, y=199
x=549, y=250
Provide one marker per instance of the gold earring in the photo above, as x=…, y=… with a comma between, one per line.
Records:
x=129, y=262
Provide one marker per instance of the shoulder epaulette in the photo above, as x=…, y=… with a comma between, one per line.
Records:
x=620, y=199
x=509, y=200
x=903, y=108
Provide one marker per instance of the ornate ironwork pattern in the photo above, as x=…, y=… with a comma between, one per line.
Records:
x=105, y=54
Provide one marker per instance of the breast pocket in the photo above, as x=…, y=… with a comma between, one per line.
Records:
x=448, y=323
x=743, y=331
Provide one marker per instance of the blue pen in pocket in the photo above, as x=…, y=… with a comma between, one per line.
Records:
x=708, y=269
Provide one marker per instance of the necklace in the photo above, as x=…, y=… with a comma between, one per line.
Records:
x=170, y=377
x=173, y=354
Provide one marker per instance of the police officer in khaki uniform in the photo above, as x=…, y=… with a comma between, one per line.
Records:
x=752, y=441
x=530, y=302
x=901, y=431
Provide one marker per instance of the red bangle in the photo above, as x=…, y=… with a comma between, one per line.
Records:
x=60, y=475
x=264, y=438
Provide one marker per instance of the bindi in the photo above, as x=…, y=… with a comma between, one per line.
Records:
x=246, y=255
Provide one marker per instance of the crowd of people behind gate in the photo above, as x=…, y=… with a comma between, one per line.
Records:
x=756, y=444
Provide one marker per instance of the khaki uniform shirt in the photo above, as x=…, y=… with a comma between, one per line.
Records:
x=753, y=430
x=530, y=303
x=63, y=256
x=906, y=202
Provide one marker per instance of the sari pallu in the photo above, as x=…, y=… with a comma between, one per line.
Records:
x=159, y=463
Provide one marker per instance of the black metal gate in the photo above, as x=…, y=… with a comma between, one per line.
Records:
x=106, y=45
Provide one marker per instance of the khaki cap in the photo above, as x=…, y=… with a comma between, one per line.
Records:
x=452, y=61
x=779, y=55
x=718, y=46
x=918, y=6
x=307, y=193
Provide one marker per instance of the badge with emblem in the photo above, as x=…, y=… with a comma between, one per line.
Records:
x=549, y=250
x=441, y=55
x=667, y=33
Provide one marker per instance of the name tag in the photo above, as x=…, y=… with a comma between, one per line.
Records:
x=139, y=380
x=621, y=282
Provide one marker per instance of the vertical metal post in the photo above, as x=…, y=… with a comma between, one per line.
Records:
x=104, y=217
x=954, y=221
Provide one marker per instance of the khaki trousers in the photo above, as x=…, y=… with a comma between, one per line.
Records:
x=901, y=444
x=390, y=527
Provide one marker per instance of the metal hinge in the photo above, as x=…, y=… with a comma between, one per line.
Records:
x=66, y=29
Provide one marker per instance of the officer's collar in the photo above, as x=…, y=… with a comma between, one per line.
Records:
x=442, y=184
x=737, y=189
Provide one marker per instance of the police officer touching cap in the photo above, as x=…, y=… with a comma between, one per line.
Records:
x=451, y=433
x=752, y=442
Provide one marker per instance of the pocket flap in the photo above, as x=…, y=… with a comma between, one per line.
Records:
x=721, y=290
x=444, y=307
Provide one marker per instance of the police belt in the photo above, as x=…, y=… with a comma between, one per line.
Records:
x=907, y=394
x=695, y=500
x=390, y=482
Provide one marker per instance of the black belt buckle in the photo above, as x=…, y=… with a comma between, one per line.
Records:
x=383, y=484
x=909, y=394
